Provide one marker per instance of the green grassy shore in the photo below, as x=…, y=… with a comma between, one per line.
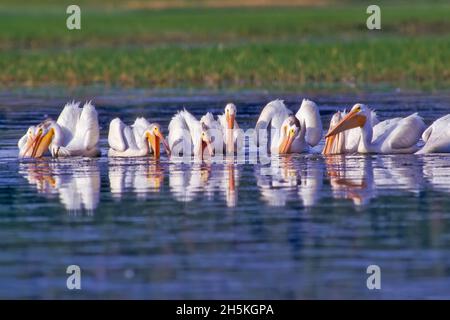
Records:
x=285, y=48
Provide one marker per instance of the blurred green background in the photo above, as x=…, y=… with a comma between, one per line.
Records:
x=232, y=45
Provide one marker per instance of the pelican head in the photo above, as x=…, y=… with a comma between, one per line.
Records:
x=290, y=129
x=205, y=141
x=335, y=143
x=40, y=140
x=230, y=114
x=25, y=143
x=154, y=137
x=357, y=117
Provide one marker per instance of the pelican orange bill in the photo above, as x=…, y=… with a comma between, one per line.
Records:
x=352, y=120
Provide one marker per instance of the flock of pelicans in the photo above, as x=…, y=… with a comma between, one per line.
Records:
x=284, y=181
x=76, y=133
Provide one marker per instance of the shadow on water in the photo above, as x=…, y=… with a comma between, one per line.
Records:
x=302, y=226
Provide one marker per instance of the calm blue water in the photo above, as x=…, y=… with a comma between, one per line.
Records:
x=303, y=226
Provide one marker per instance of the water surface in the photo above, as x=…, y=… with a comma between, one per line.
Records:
x=302, y=226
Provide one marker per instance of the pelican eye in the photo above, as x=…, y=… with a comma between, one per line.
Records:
x=292, y=131
x=156, y=129
x=358, y=109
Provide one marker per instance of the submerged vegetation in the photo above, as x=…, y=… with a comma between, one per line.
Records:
x=278, y=47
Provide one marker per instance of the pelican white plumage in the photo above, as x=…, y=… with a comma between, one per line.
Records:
x=214, y=130
x=345, y=141
x=187, y=135
x=290, y=134
x=230, y=129
x=437, y=137
x=134, y=141
x=397, y=135
x=75, y=133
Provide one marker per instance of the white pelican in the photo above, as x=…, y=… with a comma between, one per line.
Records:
x=437, y=137
x=134, y=141
x=75, y=133
x=230, y=128
x=398, y=135
x=291, y=134
x=346, y=141
x=214, y=131
x=189, y=136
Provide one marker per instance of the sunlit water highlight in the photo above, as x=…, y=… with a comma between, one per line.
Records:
x=303, y=226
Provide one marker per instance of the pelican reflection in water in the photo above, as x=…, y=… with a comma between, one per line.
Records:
x=351, y=178
x=287, y=178
x=231, y=183
x=398, y=173
x=436, y=172
x=359, y=178
x=78, y=186
x=188, y=182
x=141, y=176
x=362, y=178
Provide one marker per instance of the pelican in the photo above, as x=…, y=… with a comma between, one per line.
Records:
x=187, y=135
x=134, y=141
x=292, y=134
x=214, y=130
x=75, y=133
x=437, y=137
x=230, y=128
x=398, y=135
x=346, y=141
